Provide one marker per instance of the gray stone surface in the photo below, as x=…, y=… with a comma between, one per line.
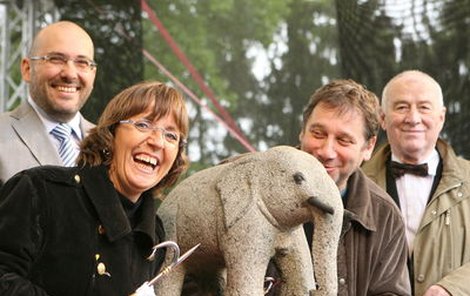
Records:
x=252, y=208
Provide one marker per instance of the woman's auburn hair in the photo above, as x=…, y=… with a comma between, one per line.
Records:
x=98, y=146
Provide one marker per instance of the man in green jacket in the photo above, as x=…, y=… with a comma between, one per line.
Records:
x=429, y=183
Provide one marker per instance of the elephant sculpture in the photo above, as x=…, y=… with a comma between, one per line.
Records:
x=251, y=209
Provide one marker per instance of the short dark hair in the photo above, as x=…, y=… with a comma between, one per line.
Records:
x=346, y=94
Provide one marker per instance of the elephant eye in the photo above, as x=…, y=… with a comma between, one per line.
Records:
x=299, y=178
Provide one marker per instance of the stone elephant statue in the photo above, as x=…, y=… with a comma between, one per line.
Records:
x=251, y=209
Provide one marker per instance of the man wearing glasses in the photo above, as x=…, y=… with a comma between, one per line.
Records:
x=47, y=127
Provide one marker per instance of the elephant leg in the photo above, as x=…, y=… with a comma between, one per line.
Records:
x=294, y=262
x=246, y=277
x=246, y=260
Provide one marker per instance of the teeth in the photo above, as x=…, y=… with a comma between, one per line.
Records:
x=67, y=89
x=147, y=159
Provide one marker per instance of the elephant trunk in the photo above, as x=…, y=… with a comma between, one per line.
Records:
x=314, y=201
x=327, y=230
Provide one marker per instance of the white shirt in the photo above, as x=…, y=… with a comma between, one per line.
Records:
x=51, y=124
x=413, y=192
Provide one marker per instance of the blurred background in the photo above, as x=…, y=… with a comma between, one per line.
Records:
x=247, y=67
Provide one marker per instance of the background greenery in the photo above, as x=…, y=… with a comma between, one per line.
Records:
x=263, y=59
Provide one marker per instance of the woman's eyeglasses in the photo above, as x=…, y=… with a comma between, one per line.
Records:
x=146, y=126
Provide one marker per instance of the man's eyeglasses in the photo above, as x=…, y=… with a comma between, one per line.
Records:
x=146, y=126
x=81, y=63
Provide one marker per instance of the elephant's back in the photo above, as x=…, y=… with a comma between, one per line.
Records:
x=190, y=212
x=195, y=190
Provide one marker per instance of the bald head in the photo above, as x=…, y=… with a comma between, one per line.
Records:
x=411, y=77
x=59, y=33
x=60, y=86
x=412, y=115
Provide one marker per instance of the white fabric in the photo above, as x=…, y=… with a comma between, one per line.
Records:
x=413, y=192
x=145, y=290
x=51, y=124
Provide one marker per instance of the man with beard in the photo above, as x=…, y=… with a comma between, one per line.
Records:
x=47, y=127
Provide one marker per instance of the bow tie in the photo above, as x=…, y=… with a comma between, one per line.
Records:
x=399, y=169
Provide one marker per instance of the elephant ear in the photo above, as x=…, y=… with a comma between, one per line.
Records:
x=235, y=188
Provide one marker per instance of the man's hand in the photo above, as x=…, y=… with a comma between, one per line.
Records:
x=436, y=290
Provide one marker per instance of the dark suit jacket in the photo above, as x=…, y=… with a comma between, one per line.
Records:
x=24, y=142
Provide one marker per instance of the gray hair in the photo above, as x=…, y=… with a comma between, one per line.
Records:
x=415, y=74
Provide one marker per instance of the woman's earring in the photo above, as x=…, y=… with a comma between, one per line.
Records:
x=105, y=152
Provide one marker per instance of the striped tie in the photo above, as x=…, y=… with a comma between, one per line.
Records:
x=67, y=149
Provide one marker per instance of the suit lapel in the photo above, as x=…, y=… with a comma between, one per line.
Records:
x=31, y=131
x=85, y=126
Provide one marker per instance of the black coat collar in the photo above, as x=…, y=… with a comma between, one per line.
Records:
x=105, y=199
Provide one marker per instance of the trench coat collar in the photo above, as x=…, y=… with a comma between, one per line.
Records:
x=105, y=199
x=358, y=204
x=452, y=171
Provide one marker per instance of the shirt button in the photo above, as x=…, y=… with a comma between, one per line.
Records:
x=101, y=269
x=434, y=212
x=77, y=179
x=420, y=278
x=342, y=281
x=460, y=194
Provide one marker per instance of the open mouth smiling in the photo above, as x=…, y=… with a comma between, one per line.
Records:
x=146, y=160
x=66, y=88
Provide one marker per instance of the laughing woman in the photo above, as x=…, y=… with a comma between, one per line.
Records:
x=88, y=230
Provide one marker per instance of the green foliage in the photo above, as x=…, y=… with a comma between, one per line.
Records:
x=215, y=36
x=263, y=59
x=116, y=32
x=378, y=41
x=310, y=60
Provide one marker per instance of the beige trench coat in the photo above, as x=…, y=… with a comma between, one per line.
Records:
x=442, y=243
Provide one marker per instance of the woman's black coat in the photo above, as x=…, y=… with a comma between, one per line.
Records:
x=63, y=231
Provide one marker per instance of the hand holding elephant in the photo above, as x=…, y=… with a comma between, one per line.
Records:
x=248, y=210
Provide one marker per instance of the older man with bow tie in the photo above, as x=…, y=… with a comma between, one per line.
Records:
x=430, y=184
